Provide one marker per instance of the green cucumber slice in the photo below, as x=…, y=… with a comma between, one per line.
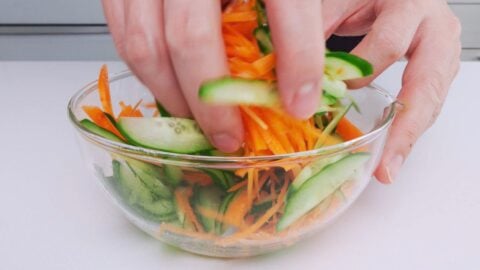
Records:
x=93, y=128
x=311, y=169
x=209, y=198
x=319, y=187
x=219, y=226
x=162, y=111
x=345, y=66
x=334, y=88
x=221, y=178
x=235, y=91
x=239, y=91
x=173, y=175
x=264, y=41
x=170, y=134
x=150, y=176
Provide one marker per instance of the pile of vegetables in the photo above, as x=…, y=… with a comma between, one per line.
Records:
x=248, y=203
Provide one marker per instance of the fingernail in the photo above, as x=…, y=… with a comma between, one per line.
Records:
x=394, y=167
x=225, y=142
x=305, y=100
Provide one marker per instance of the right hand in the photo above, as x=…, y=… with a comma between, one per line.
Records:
x=173, y=46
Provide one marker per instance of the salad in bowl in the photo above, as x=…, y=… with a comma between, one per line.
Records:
x=289, y=179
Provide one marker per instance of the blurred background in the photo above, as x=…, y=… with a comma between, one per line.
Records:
x=76, y=30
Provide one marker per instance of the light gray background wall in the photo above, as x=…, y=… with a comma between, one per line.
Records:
x=75, y=30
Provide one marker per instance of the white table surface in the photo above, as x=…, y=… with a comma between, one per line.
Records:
x=53, y=215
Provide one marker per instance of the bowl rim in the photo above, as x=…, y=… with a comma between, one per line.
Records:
x=139, y=151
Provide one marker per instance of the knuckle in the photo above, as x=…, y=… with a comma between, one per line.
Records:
x=185, y=33
x=137, y=49
x=392, y=45
x=412, y=131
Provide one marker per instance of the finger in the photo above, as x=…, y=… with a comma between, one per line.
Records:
x=146, y=54
x=300, y=45
x=434, y=63
x=336, y=13
x=193, y=32
x=114, y=13
x=389, y=39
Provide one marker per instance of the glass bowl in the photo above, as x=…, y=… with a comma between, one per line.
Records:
x=152, y=187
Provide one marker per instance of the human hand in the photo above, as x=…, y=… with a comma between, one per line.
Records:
x=428, y=34
x=175, y=45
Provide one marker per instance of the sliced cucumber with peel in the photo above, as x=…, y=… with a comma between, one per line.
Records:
x=312, y=169
x=208, y=198
x=235, y=91
x=178, y=135
x=343, y=66
x=92, y=127
x=320, y=186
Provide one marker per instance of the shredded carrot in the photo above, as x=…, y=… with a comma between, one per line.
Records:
x=250, y=179
x=129, y=111
x=254, y=117
x=182, y=196
x=197, y=178
x=99, y=118
x=265, y=218
x=238, y=208
x=347, y=130
x=278, y=128
x=244, y=16
x=237, y=186
x=104, y=90
x=265, y=64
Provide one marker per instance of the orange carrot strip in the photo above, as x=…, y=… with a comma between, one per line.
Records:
x=197, y=178
x=347, y=130
x=245, y=28
x=263, y=219
x=278, y=128
x=237, y=186
x=273, y=143
x=238, y=208
x=182, y=196
x=244, y=16
x=265, y=64
x=254, y=116
x=250, y=179
x=104, y=90
x=99, y=118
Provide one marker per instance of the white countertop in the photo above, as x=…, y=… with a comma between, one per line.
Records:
x=54, y=216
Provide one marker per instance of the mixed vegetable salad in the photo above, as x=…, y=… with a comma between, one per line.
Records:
x=244, y=203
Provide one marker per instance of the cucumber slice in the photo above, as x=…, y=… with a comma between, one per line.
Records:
x=209, y=198
x=239, y=91
x=162, y=210
x=93, y=128
x=220, y=178
x=171, y=134
x=235, y=91
x=150, y=176
x=219, y=226
x=133, y=190
x=319, y=187
x=308, y=171
x=345, y=66
x=328, y=100
x=173, y=175
x=162, y=111
x=334, y=88
x=264, y=41
x=139, y=197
